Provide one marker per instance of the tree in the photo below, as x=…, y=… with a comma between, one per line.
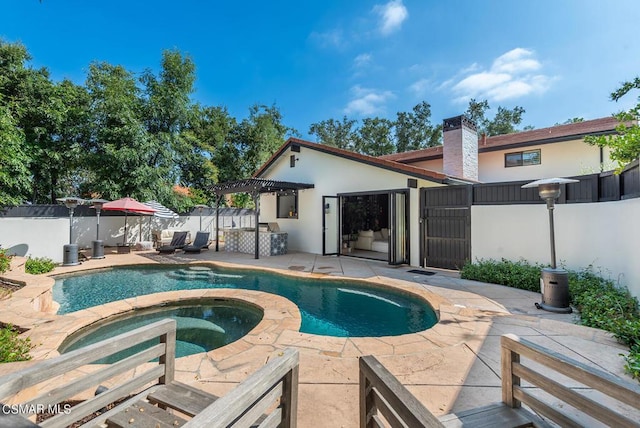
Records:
x=414, y=131
x=505, y=120
x=375, y=137
x=625, y=145
x=15, y=182
x=570, y=121
x=335, y=133
x=122, y=157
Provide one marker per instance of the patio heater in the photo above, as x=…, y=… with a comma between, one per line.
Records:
x=200, y=207
x=70, y=257
x=98, y=244
x=554, y=282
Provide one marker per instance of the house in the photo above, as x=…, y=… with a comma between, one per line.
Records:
x=415, y=207
x=359, y=205
x=558, y=151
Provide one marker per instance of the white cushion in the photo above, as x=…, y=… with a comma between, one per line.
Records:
x=385, y=233
x=366, y=233
x=377, y=235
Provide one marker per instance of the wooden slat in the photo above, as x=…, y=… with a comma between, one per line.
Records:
x=363, y=387
x=256, y=412
x=398, y=397
x=289, y=401
x=376, y=422
x=12, y=383
x=573, y=398
x=228, y=408
x=272, y=420
x=144, y=415
x=98, y=402
x=597, y=379
x=508, y=357
x=493, y=415
x=169, y=357
x=178, y=396
x=545, y=410
x=74, y=387
x=383, y=408
x=99, y=421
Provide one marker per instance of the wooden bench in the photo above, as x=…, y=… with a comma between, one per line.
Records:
x=386, y=402
x=152, y=397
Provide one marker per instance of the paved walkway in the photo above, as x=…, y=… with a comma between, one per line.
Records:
x=451, y=367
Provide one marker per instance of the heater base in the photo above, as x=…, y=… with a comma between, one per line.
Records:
x=546, y=307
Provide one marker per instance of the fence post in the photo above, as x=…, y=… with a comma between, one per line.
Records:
x=508, y=357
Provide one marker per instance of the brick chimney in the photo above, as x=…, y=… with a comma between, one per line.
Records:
x=460, y=148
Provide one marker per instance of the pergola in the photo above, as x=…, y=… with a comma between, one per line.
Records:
x=254, y=187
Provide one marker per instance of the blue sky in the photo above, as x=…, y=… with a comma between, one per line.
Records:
x=324, y=59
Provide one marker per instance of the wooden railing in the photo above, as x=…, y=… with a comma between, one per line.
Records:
x=245, y=405
x=514, y=371
x=382, y=398
x=161, y=373
x=150, y=395
x=385, y=402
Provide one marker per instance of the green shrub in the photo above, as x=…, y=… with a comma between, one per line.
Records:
x=633, y=361
x=520, y=274
x=38, y=265
x=12, y=347
x=600, y=302
x=5, y=260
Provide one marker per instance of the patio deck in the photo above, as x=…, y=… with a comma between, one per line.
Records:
x=451, y=367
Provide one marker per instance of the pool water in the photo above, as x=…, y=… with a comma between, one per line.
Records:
x=199, y=328
x=328, y=307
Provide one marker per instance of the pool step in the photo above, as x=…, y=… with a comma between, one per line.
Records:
x=199, y=274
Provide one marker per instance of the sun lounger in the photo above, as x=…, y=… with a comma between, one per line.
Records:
x=201, y=241
x=178, y=241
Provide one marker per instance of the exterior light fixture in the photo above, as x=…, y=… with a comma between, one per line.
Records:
x=70, y=257
x=554, y=282
x=98, y=244
x=200, y=207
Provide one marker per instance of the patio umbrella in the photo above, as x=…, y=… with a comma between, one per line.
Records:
x=161, y=210
x=128, y=205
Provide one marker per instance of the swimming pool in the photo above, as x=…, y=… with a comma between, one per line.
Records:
x=328, y=307
x=200, y=328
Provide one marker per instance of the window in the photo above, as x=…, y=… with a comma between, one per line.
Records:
x=530, y=157
x=287, y=206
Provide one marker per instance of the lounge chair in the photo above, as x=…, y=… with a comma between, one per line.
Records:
x=178, y=241
x=201, y=241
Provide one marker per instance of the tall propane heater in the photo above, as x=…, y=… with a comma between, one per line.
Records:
x=554, y=282
x=70, y=257
x=98, y=244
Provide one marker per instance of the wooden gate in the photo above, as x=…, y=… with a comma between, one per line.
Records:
x=445, y=240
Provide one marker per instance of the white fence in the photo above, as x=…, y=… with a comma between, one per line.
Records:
x=46, y=236
x=605, y=235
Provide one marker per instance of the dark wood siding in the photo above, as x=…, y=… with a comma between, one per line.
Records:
x=446, y=231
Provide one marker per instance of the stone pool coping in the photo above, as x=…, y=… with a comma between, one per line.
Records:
x=453, y=366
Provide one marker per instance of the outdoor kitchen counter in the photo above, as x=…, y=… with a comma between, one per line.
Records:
x=244, y=240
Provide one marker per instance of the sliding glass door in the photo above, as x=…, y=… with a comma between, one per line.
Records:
x=398, y=232
x=330, y=225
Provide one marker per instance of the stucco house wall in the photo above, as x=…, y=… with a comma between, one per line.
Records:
x=602, y=235
x=564, y=159
x=331, y=175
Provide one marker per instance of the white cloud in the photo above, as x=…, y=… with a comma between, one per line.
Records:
x=512, y=75
x=392, y=15
x=362, y=60
x=328, y=39
x=419, y=88
x=367, y=101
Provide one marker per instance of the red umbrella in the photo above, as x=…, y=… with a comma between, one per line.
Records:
x=128, y=205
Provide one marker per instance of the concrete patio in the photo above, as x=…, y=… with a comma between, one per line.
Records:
x=451, y=367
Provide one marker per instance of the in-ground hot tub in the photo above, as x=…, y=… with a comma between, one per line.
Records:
x=201, y=326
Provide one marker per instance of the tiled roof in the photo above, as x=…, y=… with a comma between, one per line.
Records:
x=370, y=160
x=568, y=132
